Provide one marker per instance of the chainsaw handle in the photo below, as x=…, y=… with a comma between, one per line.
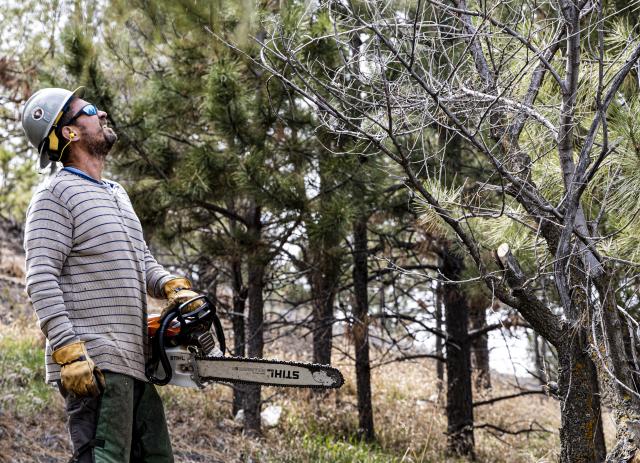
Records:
x=159, y=348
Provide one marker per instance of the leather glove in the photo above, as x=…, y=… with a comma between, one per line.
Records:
x=79, y=374
x=178, y=291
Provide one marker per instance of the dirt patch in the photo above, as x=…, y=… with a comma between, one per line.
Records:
x=14, y=303
x=11, y=235
x=37, y=439
x=11, y=264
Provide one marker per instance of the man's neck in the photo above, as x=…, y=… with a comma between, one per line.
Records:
x=91, y=165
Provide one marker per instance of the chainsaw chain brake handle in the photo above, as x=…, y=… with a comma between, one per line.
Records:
x=190, y=323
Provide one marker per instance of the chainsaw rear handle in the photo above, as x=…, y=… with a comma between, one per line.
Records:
x=186, y=321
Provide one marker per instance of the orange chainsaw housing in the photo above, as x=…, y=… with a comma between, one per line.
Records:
x=153, y=324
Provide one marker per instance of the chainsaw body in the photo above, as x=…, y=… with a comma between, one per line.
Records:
x=177, y=339
x=183, y=368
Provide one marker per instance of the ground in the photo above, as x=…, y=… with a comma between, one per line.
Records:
x=409, y=409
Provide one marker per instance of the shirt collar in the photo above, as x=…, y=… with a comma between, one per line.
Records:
x=84, y=175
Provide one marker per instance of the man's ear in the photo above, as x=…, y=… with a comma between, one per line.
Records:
x=69, y=133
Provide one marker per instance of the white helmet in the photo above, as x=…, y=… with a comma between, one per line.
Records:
x=40, y=117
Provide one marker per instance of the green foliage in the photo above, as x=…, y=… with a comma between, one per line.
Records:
x=18, y=177
x=79, y=51
x=227, y=93
x=428, y=217
x=510, y=227
x=22, y=386
x=620, y=183
x=203, y=129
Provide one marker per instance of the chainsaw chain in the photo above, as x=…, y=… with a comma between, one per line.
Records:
x=272, y=362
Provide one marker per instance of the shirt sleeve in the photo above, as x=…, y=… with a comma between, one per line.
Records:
x=48, y=239
x=157, y=276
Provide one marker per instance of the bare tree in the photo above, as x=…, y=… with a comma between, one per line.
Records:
x=530, y=87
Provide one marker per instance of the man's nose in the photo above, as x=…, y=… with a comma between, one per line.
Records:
x=102, y=114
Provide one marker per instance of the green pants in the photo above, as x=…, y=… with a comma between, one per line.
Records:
x=126, y=424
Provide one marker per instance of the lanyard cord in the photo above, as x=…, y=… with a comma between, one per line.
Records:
x=62, y=150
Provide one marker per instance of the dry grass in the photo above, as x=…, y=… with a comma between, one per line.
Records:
x=409, y=416
x=11, y=265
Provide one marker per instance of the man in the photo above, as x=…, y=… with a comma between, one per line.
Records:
x=88, y=274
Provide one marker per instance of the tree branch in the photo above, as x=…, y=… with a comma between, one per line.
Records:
x=507, y=397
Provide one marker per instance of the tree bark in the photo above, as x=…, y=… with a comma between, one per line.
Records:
x=581, y=434
x=439, y=349
x=324, y=292
x=256, y=264
x=237, y=320
x=598, y=439
x=539, y=357
x=361, y=328
x=326, y=253
x=480, y=344
x=460, y=438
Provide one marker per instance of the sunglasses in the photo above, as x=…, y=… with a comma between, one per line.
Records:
x=87, y=110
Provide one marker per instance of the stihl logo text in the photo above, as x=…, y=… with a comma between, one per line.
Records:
x=284, y=374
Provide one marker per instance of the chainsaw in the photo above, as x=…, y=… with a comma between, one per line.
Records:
x=184, y=353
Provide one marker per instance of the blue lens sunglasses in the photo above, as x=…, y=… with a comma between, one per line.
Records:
x=87, y=110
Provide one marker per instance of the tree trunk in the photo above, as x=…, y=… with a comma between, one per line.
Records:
x=322, y=317
x=578, y=380
x=361, y=328
x=237, y=320
x=324, y=275
x=539, y=350
x=325, y=244
x=599, y=442
x=480, y=344
x=256, y=264
x=439, y=349
x=581, y=435
x=460, y=439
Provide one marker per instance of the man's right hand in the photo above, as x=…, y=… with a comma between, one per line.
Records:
x=79, y=374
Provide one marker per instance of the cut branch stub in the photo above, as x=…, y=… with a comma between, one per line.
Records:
x=503, y=250
x=515, y=275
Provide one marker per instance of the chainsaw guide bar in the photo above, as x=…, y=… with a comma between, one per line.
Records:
x=267, y=372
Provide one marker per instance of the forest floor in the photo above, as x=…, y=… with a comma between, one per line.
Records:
x=409, y=409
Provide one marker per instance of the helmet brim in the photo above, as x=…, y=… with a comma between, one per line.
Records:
x=44, y=151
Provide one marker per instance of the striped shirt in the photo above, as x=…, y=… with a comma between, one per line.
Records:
x=89, y=270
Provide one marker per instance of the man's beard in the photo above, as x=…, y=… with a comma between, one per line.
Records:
x=100, y=146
